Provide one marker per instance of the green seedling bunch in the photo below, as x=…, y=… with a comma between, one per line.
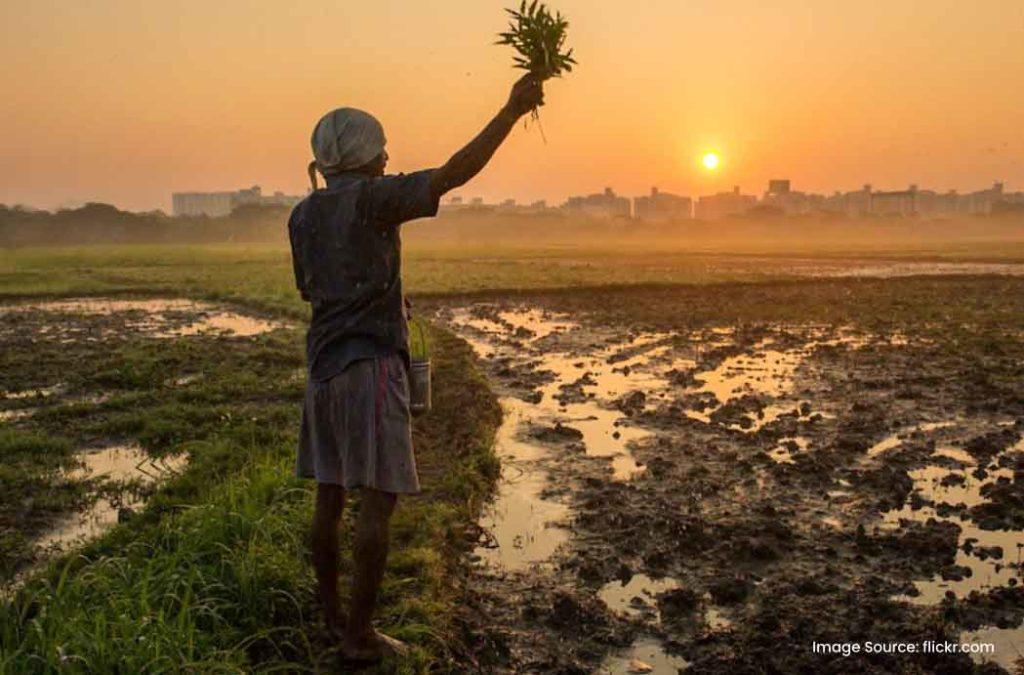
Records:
x=538, y=36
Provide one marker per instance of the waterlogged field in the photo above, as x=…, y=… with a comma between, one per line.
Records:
x=710, y=461
x=728, y=477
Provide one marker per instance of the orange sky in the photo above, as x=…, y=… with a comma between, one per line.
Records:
x=126, y=101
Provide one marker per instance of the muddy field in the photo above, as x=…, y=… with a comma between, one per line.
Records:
x=722, y=478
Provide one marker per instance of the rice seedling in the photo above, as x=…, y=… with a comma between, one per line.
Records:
x=538, y=36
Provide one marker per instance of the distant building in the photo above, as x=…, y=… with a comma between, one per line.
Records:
x=916, y=202
x=985, y=201
x=476, y=206
x=601, y=205
x=281, y=199
x=223, y=203
x=852, y=204
x=782, y=197
x=459, y=205
x=724, y=204
x=896, y=203
x=509, y=206
x=1009, y=202
x=934, y=204
x=662, y=206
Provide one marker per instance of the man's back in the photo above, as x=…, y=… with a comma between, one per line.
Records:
x=346, y=252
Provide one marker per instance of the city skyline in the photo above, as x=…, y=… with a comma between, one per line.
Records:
x=125, y=102
x=778, y=193
x=778, y=197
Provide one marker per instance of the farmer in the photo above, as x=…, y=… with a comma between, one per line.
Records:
x=346, y=254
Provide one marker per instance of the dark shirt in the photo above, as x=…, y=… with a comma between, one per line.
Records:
x=346, y=252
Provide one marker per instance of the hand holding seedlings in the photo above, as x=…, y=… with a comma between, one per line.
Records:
x=539, y=37
x=527, y=94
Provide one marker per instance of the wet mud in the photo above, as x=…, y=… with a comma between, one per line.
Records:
x=721, y=497
x=121, y=476
x=54, y=354
x=154, y=317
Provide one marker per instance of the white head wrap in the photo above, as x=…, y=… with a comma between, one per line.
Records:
x=346, y=139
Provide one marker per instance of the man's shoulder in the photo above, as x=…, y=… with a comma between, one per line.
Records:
x=412, y=185
x=310, y=201
x=402, y=177
x=298, y=210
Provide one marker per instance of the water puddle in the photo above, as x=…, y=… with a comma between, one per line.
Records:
x=769, y=372
x=985, y=558
x=716, y=620
x=1007, y=645
x=43, y=392
x=46, y=398
x=522, y=528
x=646, y=655
x=529, y=325
x=114, y=464
x=186, y=380
x=155, y=317
x=787, y=447
x=886, y=270
x=989, y=556
x=573, y=404
x=763, y=378
x=585, y=383
x=956, y=454
x=897, y=439
x=16, y=414
x=636, y=598
x=832, y=522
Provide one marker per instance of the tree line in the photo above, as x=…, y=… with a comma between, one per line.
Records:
x=97, y=223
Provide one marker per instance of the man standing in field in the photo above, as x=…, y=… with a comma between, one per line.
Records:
x=356, y=421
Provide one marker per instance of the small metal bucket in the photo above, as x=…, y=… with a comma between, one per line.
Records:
x=419, y=387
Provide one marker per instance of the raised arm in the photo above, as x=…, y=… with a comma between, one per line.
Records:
x=527, y=93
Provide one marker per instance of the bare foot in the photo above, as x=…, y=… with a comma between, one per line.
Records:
x=336, y=626
x=372, y=647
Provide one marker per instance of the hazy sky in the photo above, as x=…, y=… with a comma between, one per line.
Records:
x=126, y=101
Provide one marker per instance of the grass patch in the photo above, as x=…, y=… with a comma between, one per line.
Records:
x=213, y=574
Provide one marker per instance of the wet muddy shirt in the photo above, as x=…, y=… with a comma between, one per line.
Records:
x=346, y=253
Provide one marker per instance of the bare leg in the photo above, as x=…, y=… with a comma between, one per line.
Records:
x=330, y=502
x=370, y=552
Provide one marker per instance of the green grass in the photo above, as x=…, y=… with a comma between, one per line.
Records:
x=213, y=574
x=260, y=275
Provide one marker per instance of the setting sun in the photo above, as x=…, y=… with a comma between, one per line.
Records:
x=710, y=161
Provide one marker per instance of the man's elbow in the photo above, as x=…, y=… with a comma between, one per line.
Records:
x=443, y=180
